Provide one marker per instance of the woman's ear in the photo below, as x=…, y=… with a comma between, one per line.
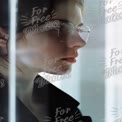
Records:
x=3, y=37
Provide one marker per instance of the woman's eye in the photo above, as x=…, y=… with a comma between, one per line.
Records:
x=53, y=32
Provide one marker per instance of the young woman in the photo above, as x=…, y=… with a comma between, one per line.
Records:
x=49, y=34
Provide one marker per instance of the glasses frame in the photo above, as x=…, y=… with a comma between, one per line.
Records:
x=77, y=28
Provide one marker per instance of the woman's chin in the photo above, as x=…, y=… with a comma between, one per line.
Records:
x=62, y=71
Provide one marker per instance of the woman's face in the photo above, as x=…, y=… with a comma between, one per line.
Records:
x=48, y=52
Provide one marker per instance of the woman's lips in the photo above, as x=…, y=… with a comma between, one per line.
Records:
x=70, y=60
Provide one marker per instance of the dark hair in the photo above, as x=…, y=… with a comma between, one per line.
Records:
x=4, y=14
x=24, y=11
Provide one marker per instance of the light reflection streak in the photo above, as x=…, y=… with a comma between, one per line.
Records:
x=12, y=60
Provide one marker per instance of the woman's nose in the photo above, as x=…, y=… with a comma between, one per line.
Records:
x=75, y=40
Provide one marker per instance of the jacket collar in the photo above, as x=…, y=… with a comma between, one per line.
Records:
x=49, y=95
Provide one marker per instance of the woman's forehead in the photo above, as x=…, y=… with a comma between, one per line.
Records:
x=69, y=11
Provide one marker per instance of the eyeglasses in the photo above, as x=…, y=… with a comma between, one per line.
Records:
x=63, y=28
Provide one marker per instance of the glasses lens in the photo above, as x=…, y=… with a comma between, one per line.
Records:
x=84, y=32
x=68, y=29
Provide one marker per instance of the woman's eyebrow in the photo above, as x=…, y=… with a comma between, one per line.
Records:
x=65, y=20
x=81, y=24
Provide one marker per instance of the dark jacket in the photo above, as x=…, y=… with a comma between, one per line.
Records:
x=55, y=105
